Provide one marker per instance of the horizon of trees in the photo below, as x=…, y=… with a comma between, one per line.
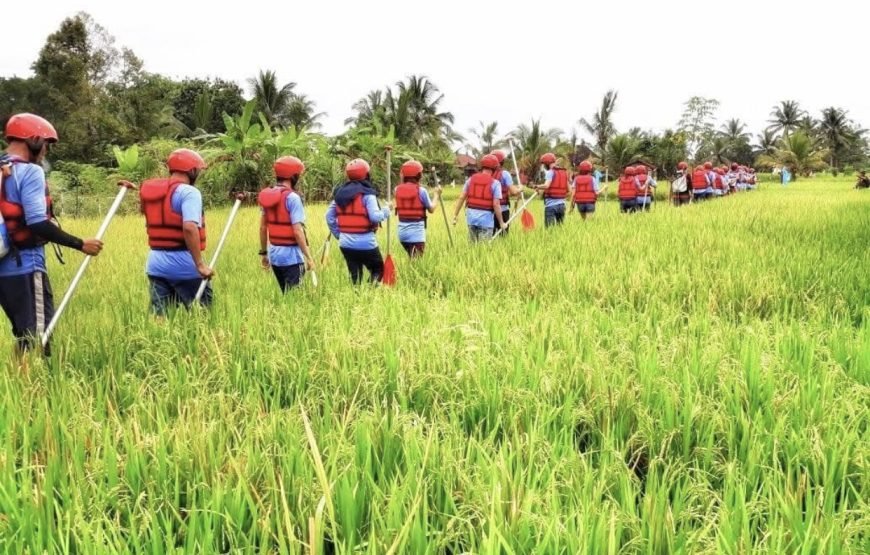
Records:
x=98, y=95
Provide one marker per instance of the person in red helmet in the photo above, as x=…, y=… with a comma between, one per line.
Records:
x=719, y=186
x=681, y=186
x=732, y=177
x=585, y=189
x=554, y=190
x=646, y=186
x=353, y=217
x=25, y=203
x=627, y=191
x=282, y=225
x=482, y=195
x=508, y=189
x=413, y=206
x=702, y=186
x=175, y=224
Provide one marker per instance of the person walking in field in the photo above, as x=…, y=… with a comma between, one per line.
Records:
x=282, y=226
x=508, y=189
x=681, y=186
x=482, y=195
x=627, y=191
x=702, y=187
x=719, y=186
x=585, y=190
x=412, y=207
x=863, y=181
x=25, y=203
x=175, y=224
x=554, y=190
x=353, y=217
x=646, y=186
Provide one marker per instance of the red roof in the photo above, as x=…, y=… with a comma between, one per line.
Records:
x=463, y=160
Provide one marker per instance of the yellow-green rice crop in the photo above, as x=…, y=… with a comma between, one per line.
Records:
x=692, y=380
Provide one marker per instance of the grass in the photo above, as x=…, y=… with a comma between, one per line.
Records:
x=693, y=380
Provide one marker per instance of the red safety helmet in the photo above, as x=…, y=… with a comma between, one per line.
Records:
x=411, y=168
x=357, y=169
x=548, y=158
x=720, y=171
x=708, y=165
x=585, y=166
x=499, y=155
x=185, y=160
x=734, y=165
x=630, y=171
x=288, y=167
x=489, y=162
x=640, y=169
x=30, y=127
x=682, y=166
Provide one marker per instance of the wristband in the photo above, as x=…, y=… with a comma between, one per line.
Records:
x=263, y=253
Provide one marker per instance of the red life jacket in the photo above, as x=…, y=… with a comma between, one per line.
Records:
x=559, y=186
x=480, y=192
x=409, y=207
x=165, y=227
x=699, y=180
x=505, y=190
x=279, y=224
x=584, y=189
x=354, y=218
x=645, y=190
x=627, y=188
x=718, y=183
x=13, y=214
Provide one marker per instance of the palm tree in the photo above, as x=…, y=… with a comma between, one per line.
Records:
x=622, y=150
x=800, y=153
x=424, y=99
x=808, y=125
x=601, y=126
x=734, y=132
x=767, y=141
x=487, y=141
x=367, y=108
x=271, y=99
x=533, y=141
x=836, y=133
x=300, y=113
x=786, y=117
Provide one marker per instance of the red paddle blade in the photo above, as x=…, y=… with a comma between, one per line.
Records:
x=389, y=277
x=528, y=220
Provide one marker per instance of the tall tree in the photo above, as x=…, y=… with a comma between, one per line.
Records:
x=300, y=113
x=533, y=140
x=601, y=125
x=200, y=104
x=622, y=150
x=785, y=117
x=487, y=138
x=697, y=123
x=800, y=153
x=272, y=98
x=837, y=134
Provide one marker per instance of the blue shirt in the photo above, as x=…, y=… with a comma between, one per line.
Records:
x=178, y=265
x=650, y=184
x=550, y=202
x=26, y=186
x=289, y=256
x=506, y=181
x=482, y=218
x=357, y=241
x=415, y=232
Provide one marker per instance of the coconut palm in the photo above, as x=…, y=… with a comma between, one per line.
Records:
x=786, y=117
x=734, y=132
x=622, y=150
x=836, y=133
x=766, y=143
x=300, y=113
x=487, y=138
x=800, y=153
x=271, y=98
x=601, y=125
x=533, y=140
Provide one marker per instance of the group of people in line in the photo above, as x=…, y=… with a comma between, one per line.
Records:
x=706, y=182
x=176, y=226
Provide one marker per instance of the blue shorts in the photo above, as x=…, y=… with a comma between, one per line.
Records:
x=585, y=208
x=627, y=205
x=172, y=292
x=28, y=302
x=289, y=276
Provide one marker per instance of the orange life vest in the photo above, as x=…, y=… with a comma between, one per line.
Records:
x=627, y=188
x=645, y=189
x=505, y=190
x=558, y=188
x=699, y=180
x=279, y=224
x=409, y=207
x=584, y=189
x=165, y=227
x=718, y=183
x=354, y=218
x=480, y=192
x=13, y=214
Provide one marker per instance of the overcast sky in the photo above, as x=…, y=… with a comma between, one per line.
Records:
x=563, y=54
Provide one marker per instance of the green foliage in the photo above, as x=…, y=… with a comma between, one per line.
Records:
x=697, y=124
x=201, y=103
x=601, y=125
x=800, y=153
x=622, y=150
